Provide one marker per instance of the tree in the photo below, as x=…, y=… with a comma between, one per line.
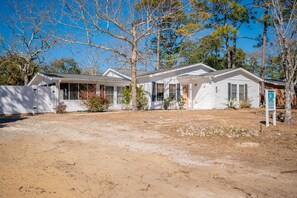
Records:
x=10, y=73
x=284, y=15
x=63, y=66
x=206, y=50
x=226, y=17
x=28, y=40
x=169, y=19
x=266, y=21
x=122, y=23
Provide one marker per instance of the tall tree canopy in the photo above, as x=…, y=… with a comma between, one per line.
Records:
x=63, y=66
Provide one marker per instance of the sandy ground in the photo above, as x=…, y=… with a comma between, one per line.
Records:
x=147, y=154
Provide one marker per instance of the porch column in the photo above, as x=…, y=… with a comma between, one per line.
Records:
x=97, y=89
x=115, y=91
x=190, y=96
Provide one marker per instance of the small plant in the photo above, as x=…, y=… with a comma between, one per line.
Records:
x=96, y=103
x=167, y=102
x=181, y=102
x=142, y=100
x=231, y=103
x=245, y=104
x=61, y=108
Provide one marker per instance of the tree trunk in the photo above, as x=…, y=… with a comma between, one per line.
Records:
x=288, y=115
x=234, y=51
x=26, y=80
x=228, y=53
x=133, y=62
x=158, y=47
x=264, y=55
x=293, y=94
x=26, y=74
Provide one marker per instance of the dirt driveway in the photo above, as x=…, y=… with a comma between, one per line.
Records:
x=147, y=154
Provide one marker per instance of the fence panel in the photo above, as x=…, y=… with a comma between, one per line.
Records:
x=26, y=100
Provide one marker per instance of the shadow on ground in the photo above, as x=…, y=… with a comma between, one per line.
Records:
x=7, y=119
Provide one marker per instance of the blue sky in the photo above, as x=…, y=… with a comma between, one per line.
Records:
x=81, y=53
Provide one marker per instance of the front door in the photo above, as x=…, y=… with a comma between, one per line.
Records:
x=185, y=95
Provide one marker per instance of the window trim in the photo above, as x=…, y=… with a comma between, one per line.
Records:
x=233, y=93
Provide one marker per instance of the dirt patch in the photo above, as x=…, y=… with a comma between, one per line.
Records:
x=148, y=154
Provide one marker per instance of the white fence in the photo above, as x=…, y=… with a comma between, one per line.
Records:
x=26, y=100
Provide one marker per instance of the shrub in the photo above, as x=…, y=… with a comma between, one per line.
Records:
x=181, y=102
x=61, y=108
x=142, y=100
x=167, y=102
x=96, y=103
x=245, y=104
x=231, y=103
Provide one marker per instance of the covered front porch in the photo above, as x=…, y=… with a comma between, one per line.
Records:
x=72, y=93
x=197, y=91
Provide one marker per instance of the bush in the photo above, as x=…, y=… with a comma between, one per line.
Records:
x=96, y=103
x=167, y=102
x=61, y=108
x=231, y=103
x=142, y=100
x=181, y=102
x=245, y=104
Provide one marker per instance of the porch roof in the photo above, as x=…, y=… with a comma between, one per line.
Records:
x=79, y=78
x=82, y=77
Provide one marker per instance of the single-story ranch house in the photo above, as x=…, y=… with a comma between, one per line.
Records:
x=201, y=86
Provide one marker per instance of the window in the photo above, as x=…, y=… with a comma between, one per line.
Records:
x=120, y=95
x=64, y=91
x=73, y=91
x=234, y=91
x=172, y=91
x=160, y=92
x=241, y=93
x=109, y=93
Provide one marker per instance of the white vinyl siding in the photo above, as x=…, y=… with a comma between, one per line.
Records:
x=221, y=96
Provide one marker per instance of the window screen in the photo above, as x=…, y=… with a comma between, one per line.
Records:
x=64, y=91
x=73, y=91
x=109, y=93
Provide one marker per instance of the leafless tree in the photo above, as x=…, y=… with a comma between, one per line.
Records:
x=110, y=25
x=28, y=40
x=285, y=23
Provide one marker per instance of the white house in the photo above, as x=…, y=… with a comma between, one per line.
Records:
x=201, y=86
